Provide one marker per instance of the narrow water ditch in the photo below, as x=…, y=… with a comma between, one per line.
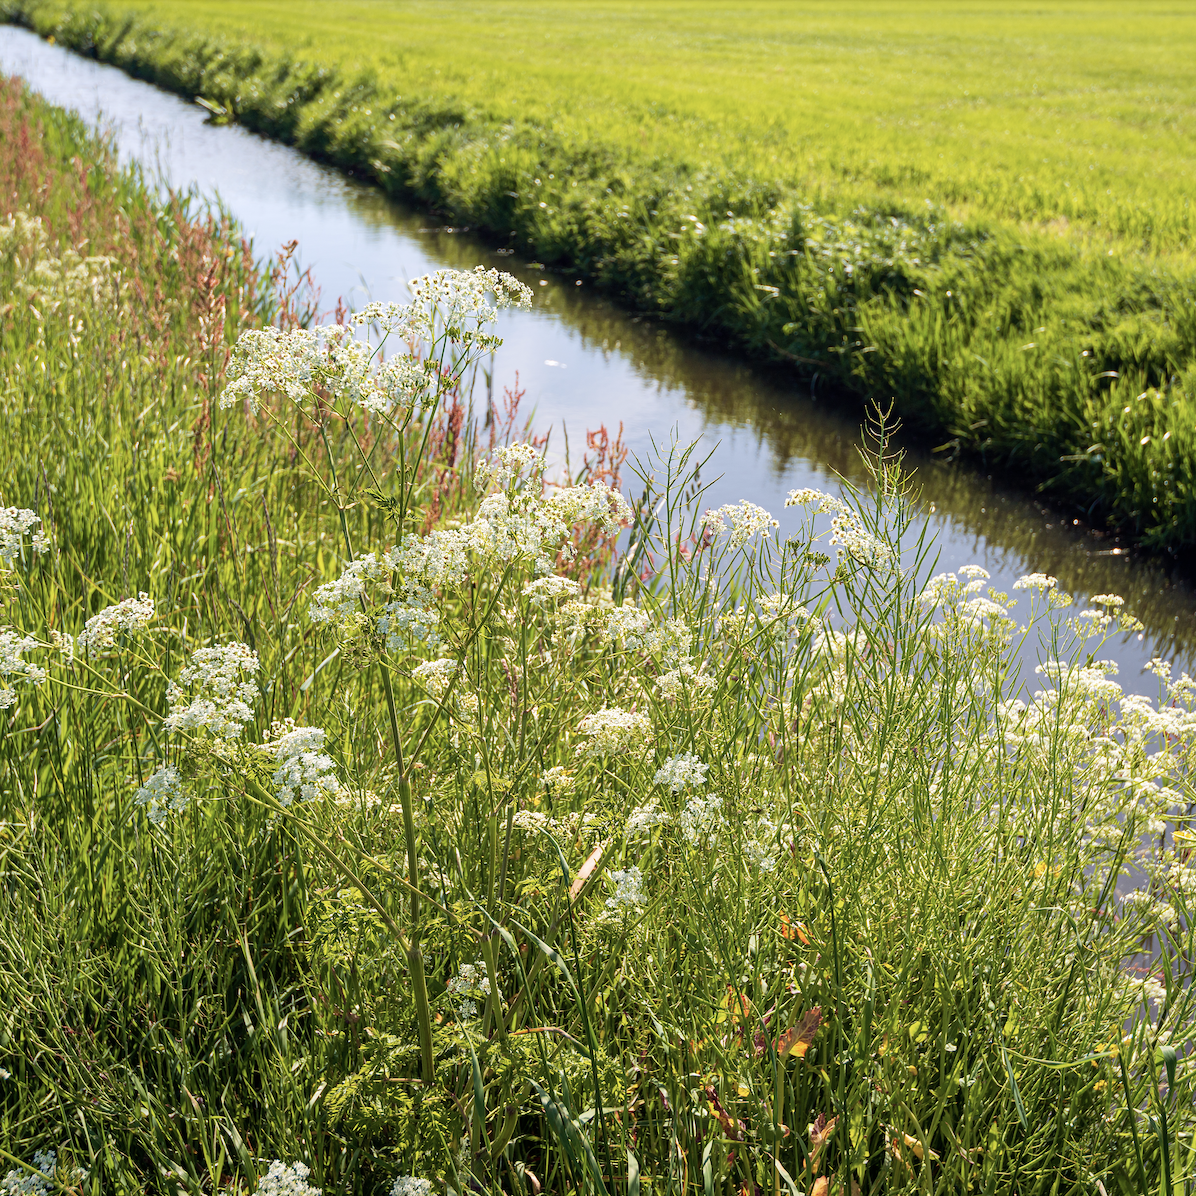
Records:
x=584, y=362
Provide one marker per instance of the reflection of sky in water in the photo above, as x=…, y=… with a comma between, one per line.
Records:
x=583, y=362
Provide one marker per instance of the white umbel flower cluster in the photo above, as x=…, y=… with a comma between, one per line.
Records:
x=268, y=360
x=15, y=524
x=701, y=820
x=286, y=1180
x=529, y=522
x=330, y=357
x=162, y=794
x=469, y=982
x=124, y=618
x=681, y=771
x=847, y=529
x=645, y=818
x=304, y=771
x=456, y=299
x=738, y=523
x=1036, y=581
x=215, y=692
x=410, y=1185
x=615, y=732
x=629, y=890
x=13, y=666
x=19, y=1182
x=435, y=676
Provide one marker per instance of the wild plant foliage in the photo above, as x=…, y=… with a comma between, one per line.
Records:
x=390, y=806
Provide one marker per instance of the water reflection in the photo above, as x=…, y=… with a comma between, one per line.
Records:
x=583, y=361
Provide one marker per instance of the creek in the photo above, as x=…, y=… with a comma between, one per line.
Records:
x=584, y=362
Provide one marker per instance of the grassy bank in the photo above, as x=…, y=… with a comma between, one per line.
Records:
x=363, y=812
x=984, y=216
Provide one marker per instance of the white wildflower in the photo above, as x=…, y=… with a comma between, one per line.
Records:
x=13, y=666
x=615, y=732
x=19, y=1182
x=338, y=602
x=645, y=817
x=672, y=684
x=558, y=781
x=820, y=502
x=124, y=618
x=759, y=845
x=283, y=1180
x=436, y=676
x=1036, y=581
x=738, y=523
x=849, y=532
x=15, y=524
x=1108, y=600
x=546, y=590
x=507, y=465
x=214, y=692
x=471, y=981
x=783, y=606
x=531, y=821
x=701, y=820
x=680, y=771
x=304, y=771
x=629, y=889
x=974, y=572
x=410, y=1185
x=163, y=794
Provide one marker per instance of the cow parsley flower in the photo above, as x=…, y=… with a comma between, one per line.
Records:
x=681, y=771
x=215, y=692
x=861, y=545
x=435, y=676
x=545, y=590
x=701, y=820
x=410, y=1185
x=558, y=781
x=124, y=618
x=684, y=679
x=284, y=1180
x=1036, y=581
x=19, y=1182
x=645, y=818
x=738, y=523
x=471, y=981
x=629, y=889
x=13, y=666
x=15, y=524
x=615, y=732
x=820, y=502
x=162, y=794
x=304, y=772
x=507, y=464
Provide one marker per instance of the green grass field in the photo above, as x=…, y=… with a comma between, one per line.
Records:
x=1076, y=117
x=980, y=214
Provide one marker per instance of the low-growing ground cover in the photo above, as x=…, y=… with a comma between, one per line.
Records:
x=982, y=215
x=373, y=805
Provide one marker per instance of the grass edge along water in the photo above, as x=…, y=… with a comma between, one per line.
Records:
x=1069, y=369
x=744, y=865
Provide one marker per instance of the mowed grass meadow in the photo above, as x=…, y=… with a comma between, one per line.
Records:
x=982, y=214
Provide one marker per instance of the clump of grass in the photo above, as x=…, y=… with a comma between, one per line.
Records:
x=1055, y=357
x=365, y=811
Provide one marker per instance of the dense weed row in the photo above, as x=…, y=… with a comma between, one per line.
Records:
x=383, y=811
x=1074, y=368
